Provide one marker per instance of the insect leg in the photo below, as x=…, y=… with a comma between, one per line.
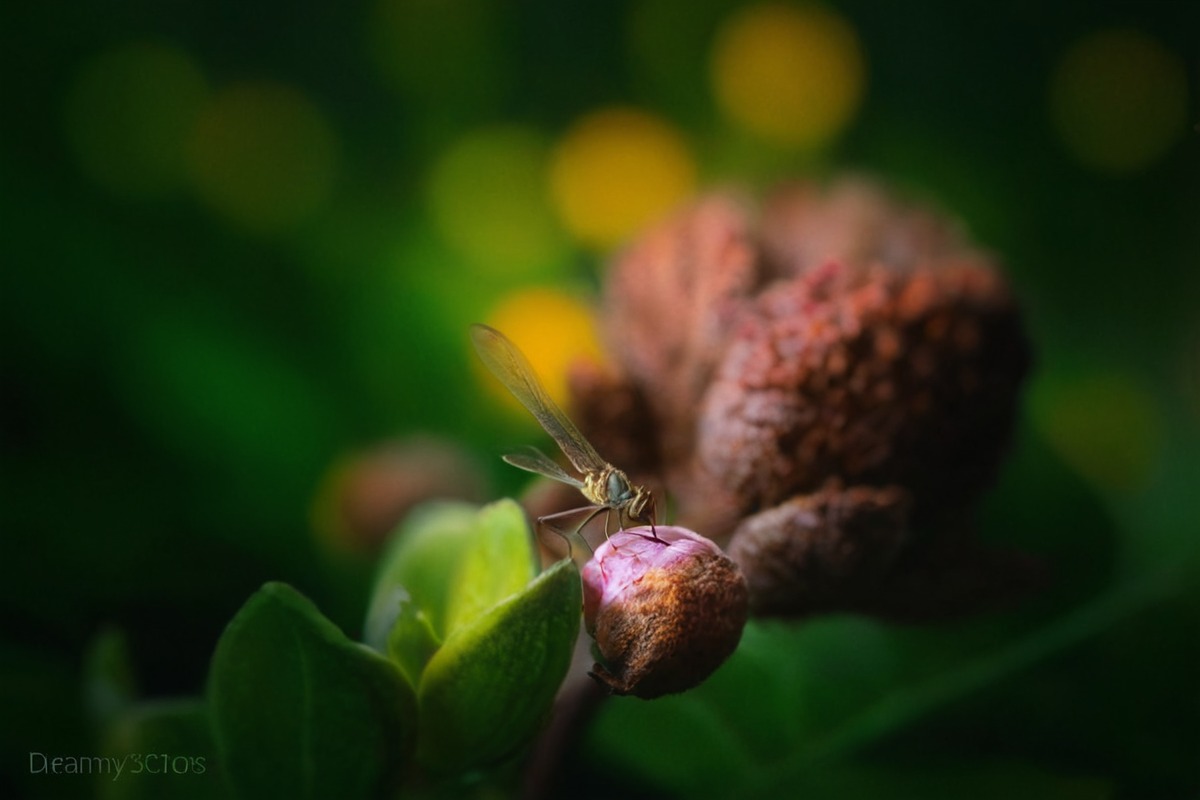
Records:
x=651, y=506
x=575, y=533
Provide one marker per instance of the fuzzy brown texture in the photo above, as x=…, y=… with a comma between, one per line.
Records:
x=674, y=630
x=832, y=337
x=621, y=426
x=671, y=302
x=821, y=552
x=873, y=377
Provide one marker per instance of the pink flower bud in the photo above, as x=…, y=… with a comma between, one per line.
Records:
x=665, y=612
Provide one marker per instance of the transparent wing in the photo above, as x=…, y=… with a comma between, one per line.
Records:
x=533, y=460
x=508, y=364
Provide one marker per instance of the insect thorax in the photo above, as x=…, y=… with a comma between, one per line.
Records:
x=611, y=487
x=608, y=487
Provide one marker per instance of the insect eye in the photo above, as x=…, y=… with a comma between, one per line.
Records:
x=617, y=488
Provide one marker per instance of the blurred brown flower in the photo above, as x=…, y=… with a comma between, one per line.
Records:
x=366, y=494
x=826, y=386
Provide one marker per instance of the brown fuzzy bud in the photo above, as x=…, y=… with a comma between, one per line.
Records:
x=821, y=552
x=671, y=302
x=364, y=496
x=878, y=377
x=665, y=608
x=621, y=426
x=834, y=337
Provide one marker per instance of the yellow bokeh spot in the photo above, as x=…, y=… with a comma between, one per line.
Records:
x=1105, y=425
x=617, y=170
x=791, y=75
x=1118, y=99
x=553, y=329
x=128, y=114
x=487, y=194
x=263, y=156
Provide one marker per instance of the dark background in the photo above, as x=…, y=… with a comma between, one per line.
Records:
x=242, y=240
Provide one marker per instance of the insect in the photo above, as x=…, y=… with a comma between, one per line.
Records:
x=605, y=487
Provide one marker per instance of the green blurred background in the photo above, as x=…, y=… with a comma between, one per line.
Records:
x=242, y=241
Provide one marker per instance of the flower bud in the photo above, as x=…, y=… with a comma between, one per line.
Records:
x=665, y=610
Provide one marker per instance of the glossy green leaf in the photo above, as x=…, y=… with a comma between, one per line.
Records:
x=497, y=563
x=300, y=711
x=412, y=642
x=161, y=749
x=484, y=694
x=423, y=555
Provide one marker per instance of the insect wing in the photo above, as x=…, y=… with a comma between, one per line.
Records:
x=533, y=460
x=512, y=369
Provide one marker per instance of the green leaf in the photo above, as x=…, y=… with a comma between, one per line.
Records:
x=449, y=563
x=423, y=555
x=496, y=564
x=412, y=642
x=160, y=749
x=300, y=711
x=484, y=694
